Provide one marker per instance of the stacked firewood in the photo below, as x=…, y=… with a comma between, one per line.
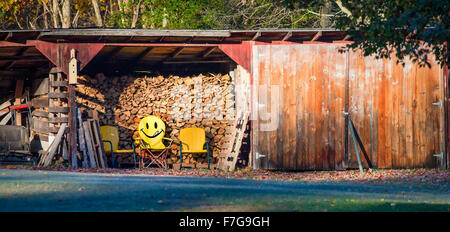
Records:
x=204, y=101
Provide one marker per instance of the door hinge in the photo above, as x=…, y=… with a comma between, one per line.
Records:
x=440, y=155
x=439, y=103
x=258, y=155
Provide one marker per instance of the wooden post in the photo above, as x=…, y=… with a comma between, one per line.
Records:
x=90, y=149
x=72, y=79
x=72, y=128
x=81, y=139
x=346, y=109
x=18, y=97
x=352, y=130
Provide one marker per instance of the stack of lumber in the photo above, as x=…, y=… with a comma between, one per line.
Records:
x=90, y=152
x=5, y=114
x=58, y=148
x=21, y=95
x=90, y=144
x=124, y=101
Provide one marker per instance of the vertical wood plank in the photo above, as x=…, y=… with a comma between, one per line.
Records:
x=301, y=89
x=72, y=127
x=18, y=96
x=410, y=80
x=401, y=115
x=90, y=149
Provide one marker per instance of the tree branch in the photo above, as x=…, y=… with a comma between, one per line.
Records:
x=343, y=8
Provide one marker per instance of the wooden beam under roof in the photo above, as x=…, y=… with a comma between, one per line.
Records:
x=114, y=51
x=23, y=58
x=8, y=36
x=12, y=63
x=19, y=57
x=111, y=54
x=134, y=62
x=208, y=51
x=175, y=53
x=143, y=54
x=287, y=36
x=198, y=61
x=16, y=73
x=256, y=36
x=317, y=36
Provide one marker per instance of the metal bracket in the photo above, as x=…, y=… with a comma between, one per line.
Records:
x=439, y=155
x=258, y=155
x=439, y=103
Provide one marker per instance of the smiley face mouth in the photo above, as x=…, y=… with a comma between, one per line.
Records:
x=152, y=136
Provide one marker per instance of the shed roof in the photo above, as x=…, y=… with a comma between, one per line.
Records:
x=170, y=36
x=131, y=47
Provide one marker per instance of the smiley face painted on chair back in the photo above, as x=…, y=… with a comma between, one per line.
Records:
x=151, y=129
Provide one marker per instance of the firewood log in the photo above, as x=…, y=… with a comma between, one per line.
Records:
x=123, y=101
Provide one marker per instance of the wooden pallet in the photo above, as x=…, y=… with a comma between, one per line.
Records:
x=57, y=97
x=94, y=143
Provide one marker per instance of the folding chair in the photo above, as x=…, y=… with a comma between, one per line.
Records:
x=192, y=140
x=152, y=149
x=110, y=137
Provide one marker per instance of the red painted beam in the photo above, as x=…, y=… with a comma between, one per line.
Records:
x=29, y=43
x=160, y=45
x=59, y=53
x=240, y=53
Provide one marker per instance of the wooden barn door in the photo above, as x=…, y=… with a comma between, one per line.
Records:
x=299, y=96
x=298, y=99
x=398, y=112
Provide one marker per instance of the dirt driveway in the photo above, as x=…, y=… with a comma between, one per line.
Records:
x=43, y=190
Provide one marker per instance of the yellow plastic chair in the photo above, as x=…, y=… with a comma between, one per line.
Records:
x=110, y=137
x=192, y=141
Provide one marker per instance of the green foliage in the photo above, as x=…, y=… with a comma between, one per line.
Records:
x=213, y=14
x=404, y=27
x=165, y=14
x=256, y=14
x=414, y=28
x=186, y=14
x=16, y=12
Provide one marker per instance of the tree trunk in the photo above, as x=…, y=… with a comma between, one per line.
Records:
x=44, y=7
x=98, y=16
x=135, y=15
x=325, y=21
x=66, y=22
x=123, y=6
x=343, y=8
x=164, y=21
x=75, y=19
x=55, y=13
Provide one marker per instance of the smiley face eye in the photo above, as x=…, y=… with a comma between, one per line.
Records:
x=156, y=125
x=146, y=124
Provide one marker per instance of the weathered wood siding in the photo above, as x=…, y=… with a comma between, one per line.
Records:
x=392, y=108
x=304, y=127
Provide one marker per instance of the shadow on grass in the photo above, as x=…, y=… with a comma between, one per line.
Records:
x=57, y=191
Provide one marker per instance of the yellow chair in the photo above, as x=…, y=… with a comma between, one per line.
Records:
x=110, y=137
x=151, y=135
x=192, y=140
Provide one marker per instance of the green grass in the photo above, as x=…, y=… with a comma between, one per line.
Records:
x=325, y=204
